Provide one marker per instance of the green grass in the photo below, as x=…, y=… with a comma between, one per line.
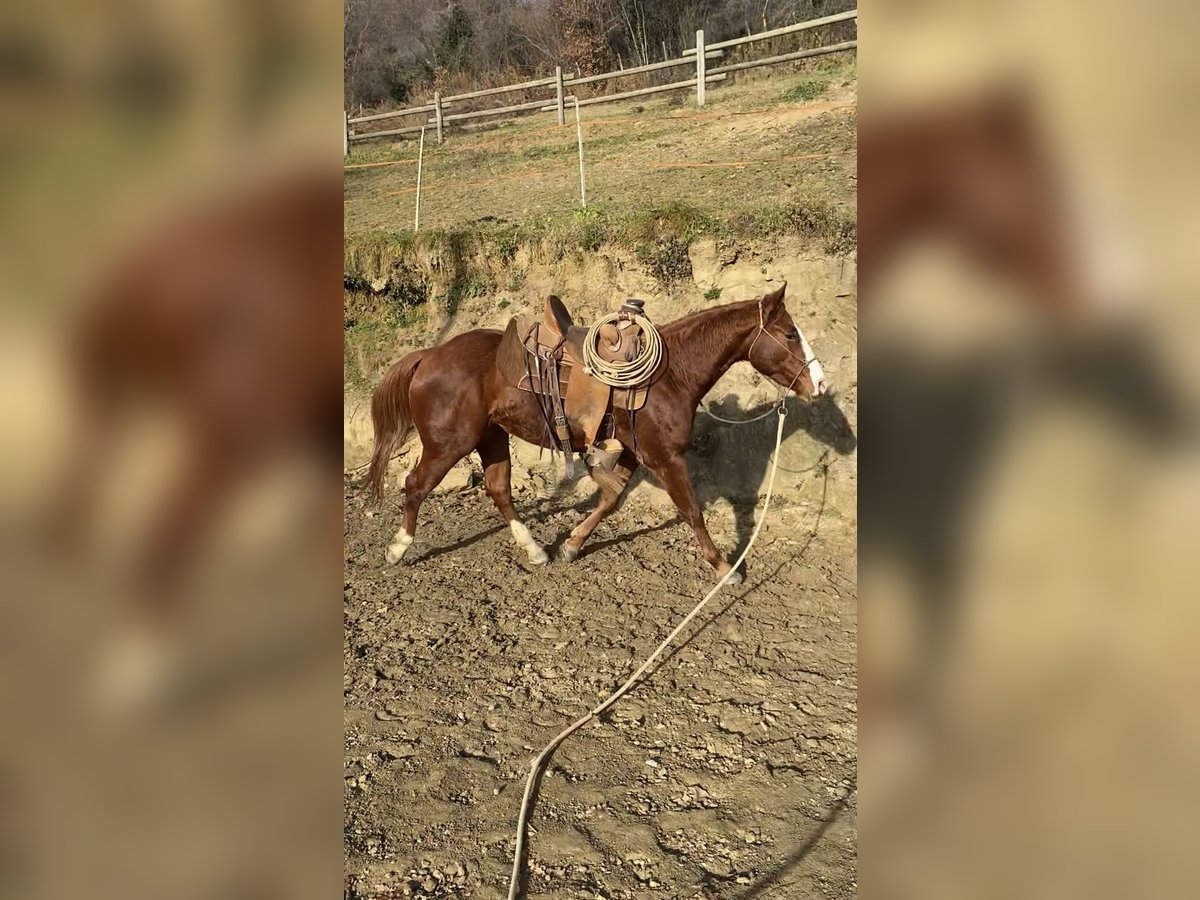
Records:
x=804, y=91
x=713, y=293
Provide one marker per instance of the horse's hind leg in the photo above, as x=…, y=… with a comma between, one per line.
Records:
x=611, y=489
x=428, y=473
x=497, y=479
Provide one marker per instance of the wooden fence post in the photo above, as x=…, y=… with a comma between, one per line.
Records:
x=345, y=134
x=700, y=67
x=437, y=113
x=558, y=87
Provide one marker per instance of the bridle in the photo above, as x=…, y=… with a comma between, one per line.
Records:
x=805, y=363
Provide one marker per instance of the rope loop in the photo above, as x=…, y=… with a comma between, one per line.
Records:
x=623, y=374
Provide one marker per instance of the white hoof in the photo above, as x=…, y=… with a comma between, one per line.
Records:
x=735, y=577
x=535, y=551
x=398, y=547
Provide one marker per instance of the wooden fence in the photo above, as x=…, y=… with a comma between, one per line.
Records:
x=697, y=58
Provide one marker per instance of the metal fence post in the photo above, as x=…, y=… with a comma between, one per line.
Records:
x=558, y=87
x=579, y=137
x=700, y=67
x=437, y=113
x=420, y=157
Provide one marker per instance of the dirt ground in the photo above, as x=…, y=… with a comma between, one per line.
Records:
x=729, y=773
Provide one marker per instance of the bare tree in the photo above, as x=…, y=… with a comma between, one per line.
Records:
x=394, y=46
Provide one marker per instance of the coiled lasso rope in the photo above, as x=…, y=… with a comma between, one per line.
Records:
x=623, y=374
x=514, y=884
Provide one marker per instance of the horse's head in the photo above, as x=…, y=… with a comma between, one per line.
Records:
x=779, y=350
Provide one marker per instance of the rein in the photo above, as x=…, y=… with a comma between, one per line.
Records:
x=805, y=363
x=762, y=329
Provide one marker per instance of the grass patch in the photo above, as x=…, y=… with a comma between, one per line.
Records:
x=836, y=228
x=589, y=228
x=713, y=293
x=667, y=259
x=806, y=90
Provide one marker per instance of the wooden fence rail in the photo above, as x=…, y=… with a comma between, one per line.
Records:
x=778, y=32
x=702, y=77
x=665, y=64
x=787, y=57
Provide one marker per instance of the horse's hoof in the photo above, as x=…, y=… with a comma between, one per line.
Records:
x=540, y=557
x=569, y=553
x=735, y=577
x=398, y=547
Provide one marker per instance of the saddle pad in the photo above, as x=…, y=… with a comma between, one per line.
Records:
x=516, y=359
x=510, y=355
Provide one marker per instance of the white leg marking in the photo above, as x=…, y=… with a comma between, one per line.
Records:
x=815, y=373
x=398, y=547
x=537, y=553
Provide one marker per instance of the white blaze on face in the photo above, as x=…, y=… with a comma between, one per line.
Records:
x=815, y=373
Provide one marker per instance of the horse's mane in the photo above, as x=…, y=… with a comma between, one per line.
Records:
x=690, y=338
x=705, y=322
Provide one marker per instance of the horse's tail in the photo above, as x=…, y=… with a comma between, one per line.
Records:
x=391, y=418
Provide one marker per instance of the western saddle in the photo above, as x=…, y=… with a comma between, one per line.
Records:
x=545, y=357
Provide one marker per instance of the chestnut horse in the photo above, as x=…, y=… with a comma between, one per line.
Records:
x=459, y=402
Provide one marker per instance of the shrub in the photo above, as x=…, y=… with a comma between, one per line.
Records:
x=804, y=91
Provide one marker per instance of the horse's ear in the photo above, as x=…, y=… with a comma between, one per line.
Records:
x=773, y=301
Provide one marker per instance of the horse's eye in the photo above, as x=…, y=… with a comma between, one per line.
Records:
x=793, y=334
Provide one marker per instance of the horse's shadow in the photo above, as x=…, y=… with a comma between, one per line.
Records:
x=732, y=462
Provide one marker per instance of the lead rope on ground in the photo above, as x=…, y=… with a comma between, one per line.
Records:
x=536, y=766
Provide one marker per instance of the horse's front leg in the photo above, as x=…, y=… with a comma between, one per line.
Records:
x=495, y=455
x=674, y=475
x=612, y=486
